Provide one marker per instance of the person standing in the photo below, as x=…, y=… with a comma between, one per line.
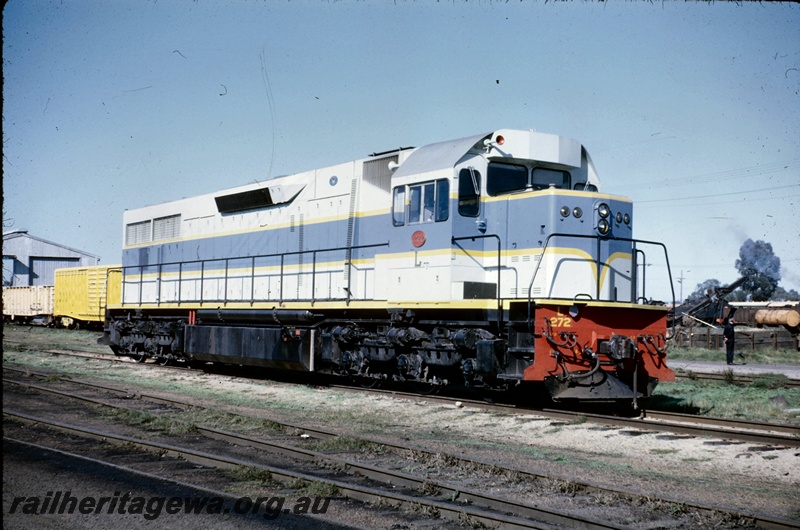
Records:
x=728, y=336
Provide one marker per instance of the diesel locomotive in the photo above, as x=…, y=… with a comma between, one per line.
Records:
x=489, y=261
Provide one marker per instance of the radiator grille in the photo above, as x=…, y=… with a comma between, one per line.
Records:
x=377, y=172
x=136, y=233
x=167, y=227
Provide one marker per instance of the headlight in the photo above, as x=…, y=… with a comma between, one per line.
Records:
x=603, y=226
x=619, y=217
x=577, y=212
x=565, y=211
x=603, y=210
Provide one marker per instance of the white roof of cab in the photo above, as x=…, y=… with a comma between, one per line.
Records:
x=516, y=144
x=442, y=155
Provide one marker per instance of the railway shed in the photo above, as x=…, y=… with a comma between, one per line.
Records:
x=32, y=261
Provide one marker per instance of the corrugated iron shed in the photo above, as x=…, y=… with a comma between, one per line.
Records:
x=31, y=260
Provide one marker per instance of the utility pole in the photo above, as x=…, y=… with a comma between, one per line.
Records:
x=680, y=281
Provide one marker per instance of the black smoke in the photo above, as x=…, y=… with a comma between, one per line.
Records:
x=761, y=269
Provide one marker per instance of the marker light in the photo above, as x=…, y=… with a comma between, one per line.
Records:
x=603, y=210
x=577, y=212
x=500, y=140
x=619, y=217
x=603, y=226
x=565, y=211
x=627, y=219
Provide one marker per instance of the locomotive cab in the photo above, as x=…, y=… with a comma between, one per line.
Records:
x=549, y=259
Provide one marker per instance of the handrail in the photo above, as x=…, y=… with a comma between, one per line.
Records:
x=282, y=255
x=499, y=270
x=600, y=238
x=644, y=273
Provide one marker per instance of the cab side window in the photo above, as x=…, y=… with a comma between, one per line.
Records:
x=420, y=203
x=427, y=202
x=399, y=206
x=442, y=200
x=469, y=192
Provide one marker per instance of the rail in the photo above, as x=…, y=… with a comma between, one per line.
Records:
x=217, y=287
x=338, y=460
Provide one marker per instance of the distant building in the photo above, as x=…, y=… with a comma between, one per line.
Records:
x=31, y=260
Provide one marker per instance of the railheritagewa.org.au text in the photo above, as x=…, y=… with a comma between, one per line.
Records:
x=153, y=507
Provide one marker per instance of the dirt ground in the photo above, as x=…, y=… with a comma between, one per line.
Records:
x=738, y=475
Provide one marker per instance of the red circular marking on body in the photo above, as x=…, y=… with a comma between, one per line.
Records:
x=418, y=238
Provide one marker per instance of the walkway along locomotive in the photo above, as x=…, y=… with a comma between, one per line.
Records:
x=491, y=260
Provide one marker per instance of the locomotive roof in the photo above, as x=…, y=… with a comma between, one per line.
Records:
x=508, y=144
x=501, y=144
x=437, y=156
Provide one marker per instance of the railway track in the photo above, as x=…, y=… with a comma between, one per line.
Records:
x=198, y=502
x=659, y=421
x=378, y=488
x=679, y=418
x=444, y=490
x=355, y=481
x=723, y=428
x=97, y=356
x=688, y=424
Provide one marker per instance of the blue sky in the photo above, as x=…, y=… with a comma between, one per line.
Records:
x=690, y=109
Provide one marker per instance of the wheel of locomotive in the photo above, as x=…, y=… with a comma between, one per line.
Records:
x=164, y=360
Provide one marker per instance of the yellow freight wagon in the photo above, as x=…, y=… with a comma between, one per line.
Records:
x=26, y=304
x=83, y=293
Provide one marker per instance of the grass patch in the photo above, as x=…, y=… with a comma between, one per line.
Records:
x=348, y=443
x=721, y=399
x=729, y=376
x=186, y=421
x=314, y=488
x=120, y=374
x=39, y=338
x=663, y=451
x=252, y=475
x=762, y=356
x=556, y=485
x=770, y=381
x=579, y=420
x=165, y=423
